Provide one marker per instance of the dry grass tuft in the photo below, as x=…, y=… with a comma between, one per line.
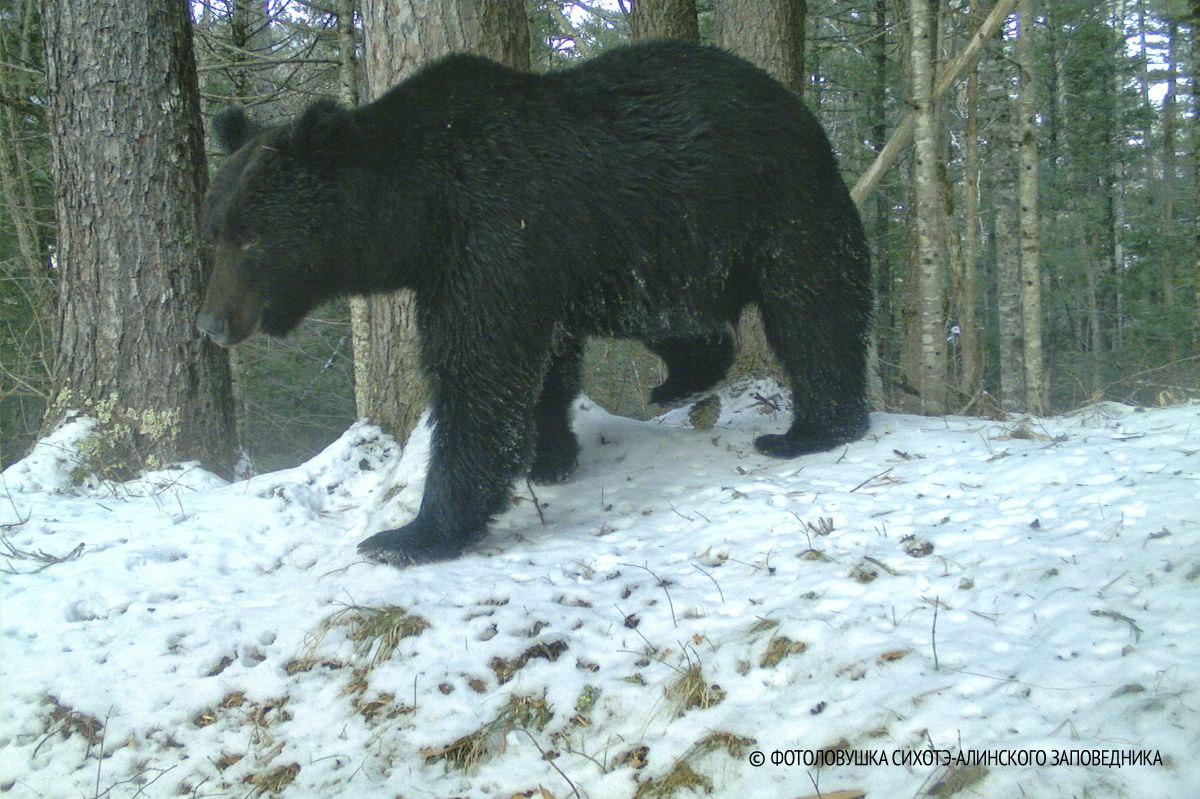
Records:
x=304, y=664
x=957, y=780
x=375, y=631
x=259, y=715
x=67, y=721
x=683, y=775
x=272, y=783
x=505, y=669
x=520, y=713
x=778, y=648
x=762, y=625
x=691, y=690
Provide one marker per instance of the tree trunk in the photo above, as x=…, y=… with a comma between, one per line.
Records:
x=1143, y=55
x=769, y=34
x=881, y=334
x=1116, y=219
x=249, y=34
x=1008, y=272
x=1195, y=23
x=930, y=379
x=1168, y=194
x=128, y=160
x=359, y=307
x=1095, y=328
x=398, y=38
x=971, y=373
x=1031, y=280
x=347, y=56
x=665, y=19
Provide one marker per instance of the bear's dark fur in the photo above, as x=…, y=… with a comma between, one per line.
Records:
x=651, y=192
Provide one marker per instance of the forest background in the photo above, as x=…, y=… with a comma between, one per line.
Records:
x=1035, y=248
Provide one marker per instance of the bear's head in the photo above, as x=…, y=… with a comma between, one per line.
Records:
x=270, y=220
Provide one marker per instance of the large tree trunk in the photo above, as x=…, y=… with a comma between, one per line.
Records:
x=770, y=34
x=1031, y=280
x=399, y=37
x=930, y=378
x=128, y=161
x=665, y=19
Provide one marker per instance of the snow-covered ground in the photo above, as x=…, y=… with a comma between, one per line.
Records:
x=992, y=595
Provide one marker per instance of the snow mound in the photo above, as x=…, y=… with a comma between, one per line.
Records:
x=1001, y=608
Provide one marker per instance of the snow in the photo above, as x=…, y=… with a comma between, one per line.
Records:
x=187, y=638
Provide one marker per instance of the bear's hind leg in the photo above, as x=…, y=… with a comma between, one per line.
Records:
x=822, y=347
x=556, y=452
x=693, y=364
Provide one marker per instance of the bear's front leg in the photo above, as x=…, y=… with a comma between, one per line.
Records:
x=482, y=440
x=470, y=475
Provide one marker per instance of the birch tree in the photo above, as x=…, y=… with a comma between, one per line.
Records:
x=930, y=379
x=970, y=371
x=1009, y=328
x=1027, y=189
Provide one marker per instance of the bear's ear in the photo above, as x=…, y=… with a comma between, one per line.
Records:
x=315, y=132
x=232, y=128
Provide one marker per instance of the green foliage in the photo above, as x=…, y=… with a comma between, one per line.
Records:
x=563, y=32
x=299, y=391
x=26, y=229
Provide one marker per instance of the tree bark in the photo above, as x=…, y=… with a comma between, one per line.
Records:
x=1027, y=188
x=128, y=161
x=769, y=33
x=665, y=19
x=399, y=37
x=930, y=379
